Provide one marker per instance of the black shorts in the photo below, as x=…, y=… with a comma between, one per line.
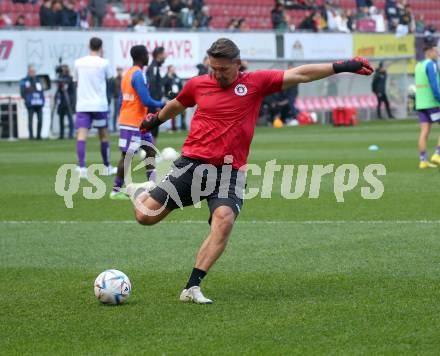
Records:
x=190, y=181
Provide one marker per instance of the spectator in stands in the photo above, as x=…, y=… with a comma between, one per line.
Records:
x=20, y=21
x=176, y=7
x=57, y=8
x=363, y=13
x=31, y=91
x=139, y=24
x=203, y=67
x=232, y=25
x=379, y=19
x=156, y=10
x=364, y=3
x=65, y=99
x=203, y=18
x=379, y=89
x=188, y=14
x=170, y=17
x=172, y=86
x=407, y=19
x=69, y=17
x=46, y=14
x=243, y=25
x=299, y=4
x=419, y=23
x=350, y=20
x=312, y=22
x=342, y=22
x=391, y=14
x=98, y=9
x=155, y=79
x=279, y=19
x=83, y=14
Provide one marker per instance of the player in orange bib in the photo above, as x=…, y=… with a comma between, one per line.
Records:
x=134, y=100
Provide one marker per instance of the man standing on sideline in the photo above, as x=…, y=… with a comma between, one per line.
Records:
x=172, y=85
x=155, y=80
x=31, y=91
x=65, y=98
x=91, y=73
x=134, y=100
x=379, y=89
x=428, y=102
x=228, y=103
x=116, y=93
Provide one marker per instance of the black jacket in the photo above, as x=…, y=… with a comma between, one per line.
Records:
x=379, y=82
x=66, y=93
x=155, y=80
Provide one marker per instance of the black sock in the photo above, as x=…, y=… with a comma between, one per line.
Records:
x=196, y=278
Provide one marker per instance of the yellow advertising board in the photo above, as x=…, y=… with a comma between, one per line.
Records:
x=384, y=45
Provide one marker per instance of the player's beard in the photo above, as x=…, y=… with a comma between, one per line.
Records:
x=223, y=82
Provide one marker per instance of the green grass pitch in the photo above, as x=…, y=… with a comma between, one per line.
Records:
x=305, y=276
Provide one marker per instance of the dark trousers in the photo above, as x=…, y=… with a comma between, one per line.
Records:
x=115, y=113
x=382, y=98
x=31, y=111
x=62, y=112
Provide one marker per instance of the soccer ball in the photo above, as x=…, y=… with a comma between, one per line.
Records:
x=112, y=287
x=169, y=154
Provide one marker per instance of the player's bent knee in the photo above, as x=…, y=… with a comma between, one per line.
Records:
x=224, y=218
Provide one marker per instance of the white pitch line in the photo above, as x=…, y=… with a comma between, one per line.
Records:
x=262, y=222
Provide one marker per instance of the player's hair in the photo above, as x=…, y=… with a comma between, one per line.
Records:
x=157, y=51
x=95, y=44
x=138, y=52
x=224, y=48
x=429, y=45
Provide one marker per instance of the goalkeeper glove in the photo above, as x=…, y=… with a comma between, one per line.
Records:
x=150, y=122
x=358, y=65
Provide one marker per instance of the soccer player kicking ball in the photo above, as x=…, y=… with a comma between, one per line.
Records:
x=428, y=102
x=134, y=99
x=228, y=102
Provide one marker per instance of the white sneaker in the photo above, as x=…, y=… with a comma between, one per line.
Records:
x=82, y=171
x=110, y=170
x=194, y=294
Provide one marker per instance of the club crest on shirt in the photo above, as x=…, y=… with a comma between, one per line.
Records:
x=240, y=90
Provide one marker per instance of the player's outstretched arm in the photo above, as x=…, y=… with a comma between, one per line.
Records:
x=170, y=110
x=311, y=72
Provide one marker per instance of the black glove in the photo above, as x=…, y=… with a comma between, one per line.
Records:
x=358, y=65
x=150, y=122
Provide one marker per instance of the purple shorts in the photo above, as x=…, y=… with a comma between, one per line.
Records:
x=98, y=119
x=130, y=139
x=429, y=115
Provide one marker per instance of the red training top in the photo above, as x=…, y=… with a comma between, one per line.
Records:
x=224, y=122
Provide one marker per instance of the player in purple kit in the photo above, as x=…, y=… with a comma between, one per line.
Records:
x=90, y=73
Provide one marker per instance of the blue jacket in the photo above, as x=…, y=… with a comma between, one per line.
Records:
x=31, y=91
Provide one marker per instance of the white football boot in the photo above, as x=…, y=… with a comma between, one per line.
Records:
x=194, y=294
x=82, y=171
x=110, y=170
